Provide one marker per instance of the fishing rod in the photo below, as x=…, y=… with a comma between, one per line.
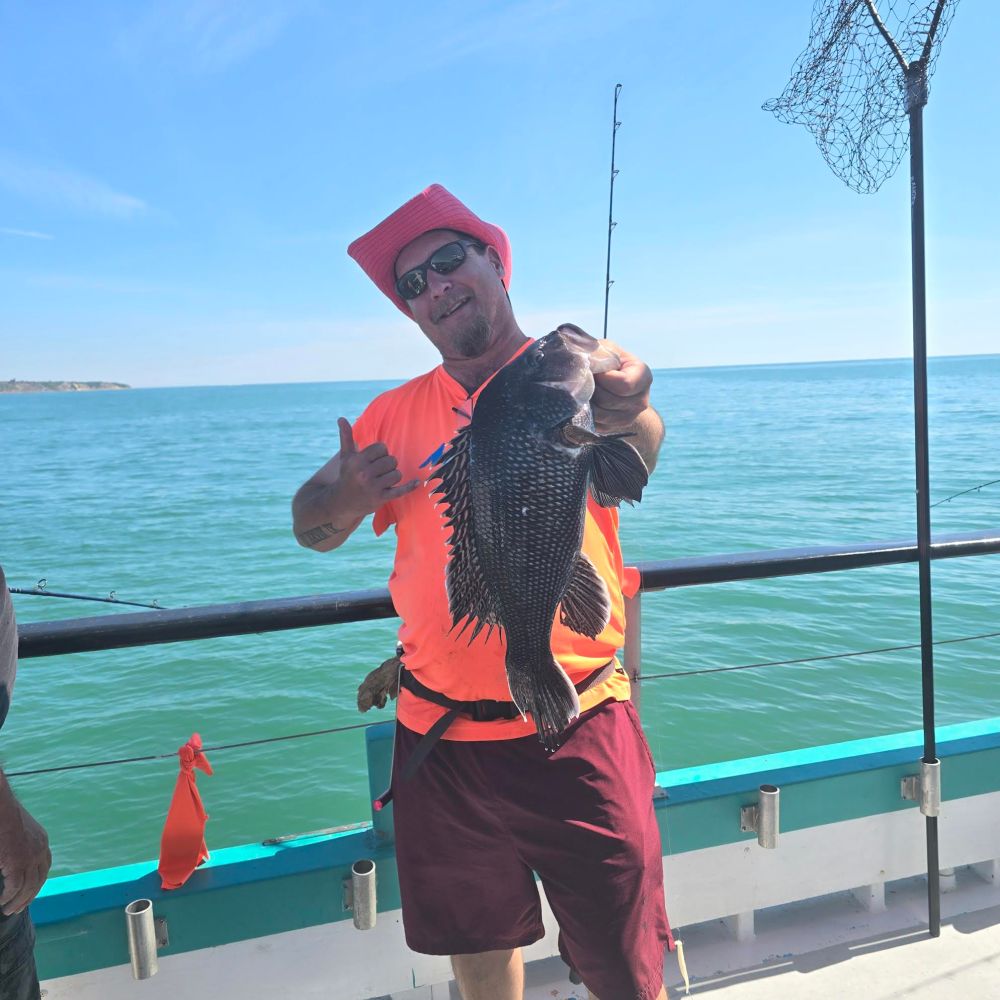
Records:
x=961, y=493
x=616, y=124
x=39, y=590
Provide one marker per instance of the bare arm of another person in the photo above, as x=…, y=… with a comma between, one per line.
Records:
x=339, y=496
x=621, y=403
x=24, y=846
x=25, y=858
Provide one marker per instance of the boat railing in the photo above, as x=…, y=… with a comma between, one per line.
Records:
x=143, y=628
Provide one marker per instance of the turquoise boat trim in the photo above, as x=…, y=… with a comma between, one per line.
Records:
x=71, y=895
x=811, y=763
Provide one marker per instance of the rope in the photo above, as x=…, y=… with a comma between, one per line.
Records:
x=168, y=756
x=368, y=725
x=814, y=659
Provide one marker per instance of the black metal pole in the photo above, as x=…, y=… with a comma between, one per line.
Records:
x=916, y=80
x=611, y=206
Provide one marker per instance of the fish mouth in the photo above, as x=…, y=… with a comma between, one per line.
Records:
x=603, y=360
x=599, y=356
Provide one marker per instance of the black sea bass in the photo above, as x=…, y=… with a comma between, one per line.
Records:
x=514, y=482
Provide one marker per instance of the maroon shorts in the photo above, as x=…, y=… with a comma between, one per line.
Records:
x=477, y=819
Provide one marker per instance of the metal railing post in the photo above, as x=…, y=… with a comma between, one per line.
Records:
x=633, y=646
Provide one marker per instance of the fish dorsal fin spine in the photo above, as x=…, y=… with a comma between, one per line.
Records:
x=617, y=471
x=586, y=606
x=468, y=597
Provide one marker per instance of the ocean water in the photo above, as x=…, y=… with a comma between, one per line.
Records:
x=182, y=495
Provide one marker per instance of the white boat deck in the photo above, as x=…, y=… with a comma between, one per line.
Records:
x=834, y=948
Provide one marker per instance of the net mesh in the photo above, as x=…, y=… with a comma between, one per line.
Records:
x=849, y=86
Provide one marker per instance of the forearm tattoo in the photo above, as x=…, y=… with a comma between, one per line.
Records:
x=319, y=534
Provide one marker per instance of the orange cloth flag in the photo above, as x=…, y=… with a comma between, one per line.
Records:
x=182, y=846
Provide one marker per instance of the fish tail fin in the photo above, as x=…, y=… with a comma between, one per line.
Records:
x=549, y=696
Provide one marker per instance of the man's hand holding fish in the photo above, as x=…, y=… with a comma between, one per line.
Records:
x=518, y=751
x=621, y=402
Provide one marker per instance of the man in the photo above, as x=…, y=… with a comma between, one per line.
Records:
x=478, y=811
x=24, y=846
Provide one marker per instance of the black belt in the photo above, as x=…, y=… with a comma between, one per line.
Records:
x=485, y=710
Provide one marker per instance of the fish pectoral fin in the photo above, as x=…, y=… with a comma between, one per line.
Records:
x=617, y=471
x=586, y=606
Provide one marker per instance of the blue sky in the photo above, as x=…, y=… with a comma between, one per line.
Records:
x=179, y=180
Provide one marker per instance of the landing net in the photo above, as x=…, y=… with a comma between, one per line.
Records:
x=850, y=89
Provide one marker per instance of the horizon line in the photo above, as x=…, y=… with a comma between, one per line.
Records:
x=676, y=368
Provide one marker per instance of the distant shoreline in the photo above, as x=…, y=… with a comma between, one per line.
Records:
x=15, y=385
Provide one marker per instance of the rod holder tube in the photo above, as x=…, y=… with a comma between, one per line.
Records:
x=141, y=938
x=768, y=798
x=363, y=894
x=930, y=787
x=762, y=818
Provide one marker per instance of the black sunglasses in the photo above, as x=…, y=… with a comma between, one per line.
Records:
x=444, y=260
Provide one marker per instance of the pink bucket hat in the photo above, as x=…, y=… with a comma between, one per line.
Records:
x=435, y=208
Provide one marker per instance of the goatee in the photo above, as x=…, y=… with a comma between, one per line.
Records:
x=473, y=339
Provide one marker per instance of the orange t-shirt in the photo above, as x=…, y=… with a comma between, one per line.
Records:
x=413, y=421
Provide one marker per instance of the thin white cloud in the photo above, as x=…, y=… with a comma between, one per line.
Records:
x=338, y=237
x=66, y=188
x=414, y=47
x=101, y=284
x=27, y=234
x=204, y=36
x=508, y=24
